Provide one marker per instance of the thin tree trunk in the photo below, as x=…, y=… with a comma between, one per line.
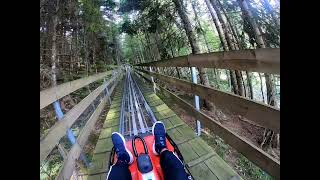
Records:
x=134, y=53
x=261, y=44
x=231, y=46
x=149, y=48
x=160, y=47
x=178, y=73
x=193, y=3
x=216, y=78
x=233, y=30
x=173, y=55
x=193, y=43
x=225, y=41
x=239, y=83
x=261, y=85
x=52, y=31
x=202, y=32
x=141, y=54
x=249, y=84
x=270, y=90
x=144, y=50
x=224, y=27
x=243, y=84
x=233, y=81
x=187, y=27
x=217, y=25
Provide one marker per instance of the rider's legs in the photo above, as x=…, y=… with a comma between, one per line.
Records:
x=171, y=165
x=120, y=170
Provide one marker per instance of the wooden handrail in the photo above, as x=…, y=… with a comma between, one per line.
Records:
x=48, y=142
x=262, y=114
x=265, y=60
x=69, y=164
x=52, y=94
x=243, y=146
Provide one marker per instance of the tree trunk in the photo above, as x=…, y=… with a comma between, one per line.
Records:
x=231, y=44
x=187, y=26
x=233, y=81
x=239, y=83
x=249, y=84
x=216, y=78
x=53, y=33
x=172, y=56
x=153, y=57
x=155, y=46
x=141, y=54
x=217, y=25
x=244, y=85
x=193, y=3
x=161, y=49
x=245, y=9
x=146, y=56
x=233, y=30
x=270, y=90
x=136, y=55
x=261, y=44
x=227, y=45
x=261, y=85
x=224, y=26
x=193, y=43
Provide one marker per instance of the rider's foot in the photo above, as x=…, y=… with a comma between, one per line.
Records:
x=159, y=133
x=123, y=154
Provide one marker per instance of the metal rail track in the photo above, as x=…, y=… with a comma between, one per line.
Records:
x=136, y=116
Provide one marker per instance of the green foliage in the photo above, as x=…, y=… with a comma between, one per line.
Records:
x=92, y=16
x=217, y=143
x=213, y=40
x=92, y=140
x=183, y=51
x=268, y=26
x=248, y=169
x=230, y=5
x=129, y=27
x=50, y=169
x=130, y=5
x=243, y=166
x=130, y=43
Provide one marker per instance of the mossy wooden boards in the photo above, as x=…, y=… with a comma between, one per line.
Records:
x=205, y=163
x=104, y=145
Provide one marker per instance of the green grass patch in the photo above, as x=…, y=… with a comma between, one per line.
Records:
x=242, y=166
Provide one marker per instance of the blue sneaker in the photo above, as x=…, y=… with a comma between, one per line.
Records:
x=124, y=155
x=159, y=133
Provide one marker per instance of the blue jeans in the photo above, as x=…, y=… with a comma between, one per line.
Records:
x=171, y=166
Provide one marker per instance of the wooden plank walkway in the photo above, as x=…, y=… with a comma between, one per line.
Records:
x=100, y=159
x=200, y=158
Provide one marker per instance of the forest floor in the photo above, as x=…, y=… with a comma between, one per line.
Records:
x=251, y=132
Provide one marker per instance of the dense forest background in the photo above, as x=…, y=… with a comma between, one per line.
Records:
x=79, y=38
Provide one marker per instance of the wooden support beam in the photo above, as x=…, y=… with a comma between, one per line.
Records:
x=52, y=94
x=243, y=146
x=265, y=60
x=261, y=114
x=48, y=142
